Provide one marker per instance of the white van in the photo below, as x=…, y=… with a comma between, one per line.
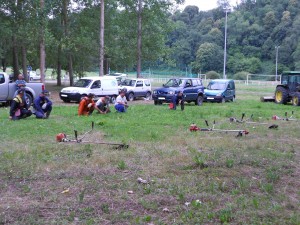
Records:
x=99, y=86
x=32, y=75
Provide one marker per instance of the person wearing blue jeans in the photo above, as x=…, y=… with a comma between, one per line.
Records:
x=121, y=102
x=42, y=106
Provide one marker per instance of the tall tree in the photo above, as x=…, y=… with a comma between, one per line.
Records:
x=139, y=39
x=101, y=52
x=42, y=42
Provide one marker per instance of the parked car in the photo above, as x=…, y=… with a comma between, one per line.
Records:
x=99, y=86
x=192, y=89
x=136, y=88
x=32, y=75
x=8, y=89
x=220, y=90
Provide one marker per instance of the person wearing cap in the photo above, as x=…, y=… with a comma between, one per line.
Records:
x=121, y=102
x=86, y=105
x=18, y=108
x=42, y=106
x=102, y=105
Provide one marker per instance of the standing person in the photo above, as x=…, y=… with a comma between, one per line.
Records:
x=42, y=106
x=86, y=105
x=18, y=108
x=102, y=105
x=121, y=102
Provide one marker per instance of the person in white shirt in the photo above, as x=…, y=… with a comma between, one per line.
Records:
x=121, y=102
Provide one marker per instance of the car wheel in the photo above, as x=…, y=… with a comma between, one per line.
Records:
x=31, y=79
x=130, y=97
x=281, y=95
x=199, y=100
x=223, y=100
x=148, y=95
x=113, y=99
x=28, y=99
x=296, y=100
x=233, y=99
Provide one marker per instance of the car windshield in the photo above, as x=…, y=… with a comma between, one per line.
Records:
x=128, y=82
x=216, y=86
x=83, y=83
x=174, y=83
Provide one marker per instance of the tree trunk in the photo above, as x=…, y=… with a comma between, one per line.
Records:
x=71, y=70
x=101, y=51
x=139, y=40
x=15, y=58
x=3, y=62
x=42, y=44
x=59, y=66
x=24, y=63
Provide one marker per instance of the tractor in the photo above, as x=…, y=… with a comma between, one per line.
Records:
x=289, y=89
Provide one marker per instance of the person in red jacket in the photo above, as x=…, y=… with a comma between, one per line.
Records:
x=86, y=105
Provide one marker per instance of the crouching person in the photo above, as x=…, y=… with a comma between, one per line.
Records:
x=121, y=102
x=18, y=108
x=42, y=106
x=86, y=105
x=102, y=105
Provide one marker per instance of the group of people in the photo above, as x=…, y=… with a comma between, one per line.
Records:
x=42, y=105
x=19, y=109
x=87, y=105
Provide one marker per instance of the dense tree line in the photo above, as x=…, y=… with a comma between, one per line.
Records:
x=69, y=30
x=255, y=29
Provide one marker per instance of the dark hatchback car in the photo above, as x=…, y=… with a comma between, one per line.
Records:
x=192, y=89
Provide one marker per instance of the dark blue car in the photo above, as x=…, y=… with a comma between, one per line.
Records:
x=191, y=88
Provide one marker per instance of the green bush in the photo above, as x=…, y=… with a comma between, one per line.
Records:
x=241, y=75
x=213, y=75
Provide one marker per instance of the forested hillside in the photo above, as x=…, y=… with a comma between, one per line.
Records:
x=255, y=29
x=171, y=39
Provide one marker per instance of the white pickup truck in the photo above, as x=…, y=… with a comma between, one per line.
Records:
x=8, y=89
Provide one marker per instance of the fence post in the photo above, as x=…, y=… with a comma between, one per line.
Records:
x=247, y=79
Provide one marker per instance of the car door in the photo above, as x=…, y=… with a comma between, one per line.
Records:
x=229, y=92
x=3, y=87
x=109, y=87
x=96, y=88
x=188, y=90
x=139, y=88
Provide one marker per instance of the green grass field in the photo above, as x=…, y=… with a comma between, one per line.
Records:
x=192, y=177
